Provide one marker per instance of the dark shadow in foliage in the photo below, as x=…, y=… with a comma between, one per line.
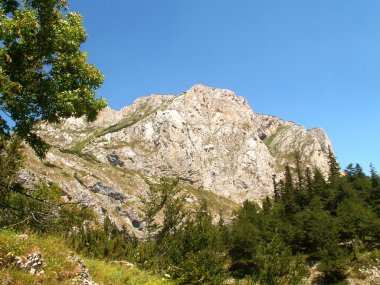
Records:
x=242, y=267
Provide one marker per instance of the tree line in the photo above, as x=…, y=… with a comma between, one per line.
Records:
x=310, y=220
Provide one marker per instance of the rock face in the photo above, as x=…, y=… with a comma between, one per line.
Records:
x=208, y=137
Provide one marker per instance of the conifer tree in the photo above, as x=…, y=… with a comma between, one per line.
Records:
x=359, y=171
x=276, y=190
x=320, y=185
x=334, y=169
x=309, y=182
x=300, y=178
x=375, y=191
x=267, y=205
x=288, y=183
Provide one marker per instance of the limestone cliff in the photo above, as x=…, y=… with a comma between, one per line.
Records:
x=210, y=138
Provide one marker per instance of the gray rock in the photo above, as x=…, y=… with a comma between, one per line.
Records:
x=208, y=137
x=83, y=277
x=114, y=159
x=99, y=188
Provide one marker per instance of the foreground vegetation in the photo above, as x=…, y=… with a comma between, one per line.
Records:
x=311, y=224
x=58, y=269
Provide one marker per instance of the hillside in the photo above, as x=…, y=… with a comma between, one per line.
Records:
x=60, y=266
x=210, y=138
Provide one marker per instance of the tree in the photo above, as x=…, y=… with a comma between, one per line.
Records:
x=10, y=159
x=163, y=199
x=276, y=191
x=245, y=233
x=289, y=185
x=356, y=220
x=314, y=228
x=277, y=265
x=288, y=193
x=375, y=191
x=43, y=73
x=334, y=169
x=300, y=178
x=309, y=182
x=320, y=188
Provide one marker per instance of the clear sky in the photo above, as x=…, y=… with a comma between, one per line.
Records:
x=314, y=62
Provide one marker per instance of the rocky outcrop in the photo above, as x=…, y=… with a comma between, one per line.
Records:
x=83, y=277
x=33, y=263
x=210, y=138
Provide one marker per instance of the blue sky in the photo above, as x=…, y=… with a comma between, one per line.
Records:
x=316, y=63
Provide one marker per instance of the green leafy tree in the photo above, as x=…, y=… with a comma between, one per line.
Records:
x=43, y=76
x=10, y=161
x=43, y=73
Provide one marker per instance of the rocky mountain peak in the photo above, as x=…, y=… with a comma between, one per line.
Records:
x=208, y=137
x=211, y=94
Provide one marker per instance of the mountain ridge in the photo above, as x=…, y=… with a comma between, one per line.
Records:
x=208, y=137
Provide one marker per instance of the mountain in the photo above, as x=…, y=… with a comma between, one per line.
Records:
x=210, y=138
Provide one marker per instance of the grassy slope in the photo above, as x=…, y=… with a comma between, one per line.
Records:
x=275, y=145
x=58, y=267
x=143, y=111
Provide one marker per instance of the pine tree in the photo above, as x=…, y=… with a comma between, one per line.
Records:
x=309, y=182
x=319, y=185
x=375, y=191
x=300, y=178
x=288, y=196
x=288, y=183
x=276, y=190
x=334, y=168
x=267, y=205
x=359, y=171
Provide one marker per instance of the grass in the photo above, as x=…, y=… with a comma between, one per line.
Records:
x=49, y=164
x=280, y=131
x=143, y=111
x=113, y=274
x=58, y=269
x=86, y=156
x=57, y=266
x=216, y=203
x=282, y=157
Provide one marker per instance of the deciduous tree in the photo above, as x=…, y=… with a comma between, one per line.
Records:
x=43, y=73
